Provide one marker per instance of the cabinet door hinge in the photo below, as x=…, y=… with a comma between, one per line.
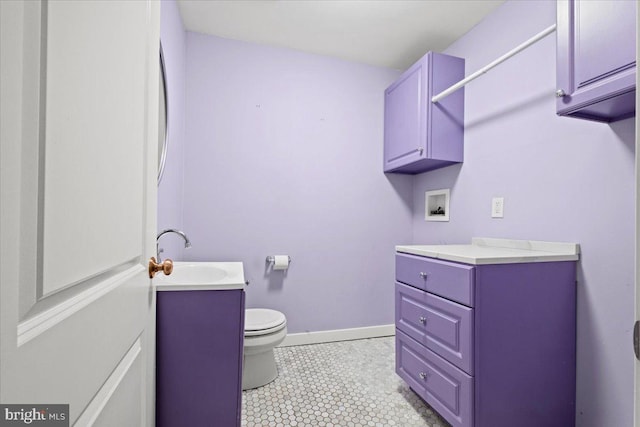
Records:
x=636, y=339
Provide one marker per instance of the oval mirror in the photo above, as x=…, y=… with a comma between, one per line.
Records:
x=162, y=118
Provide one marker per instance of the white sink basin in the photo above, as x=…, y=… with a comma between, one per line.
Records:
x=189, y=276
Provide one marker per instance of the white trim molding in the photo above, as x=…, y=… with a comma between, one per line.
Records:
x=34, y=326
x=101, y=399
x=319, y=337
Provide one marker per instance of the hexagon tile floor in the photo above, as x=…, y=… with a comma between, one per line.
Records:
x=341, y=384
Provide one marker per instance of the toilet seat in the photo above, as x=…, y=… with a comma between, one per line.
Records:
x=262, y=321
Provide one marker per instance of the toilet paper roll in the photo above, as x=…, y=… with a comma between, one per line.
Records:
x=280, y=262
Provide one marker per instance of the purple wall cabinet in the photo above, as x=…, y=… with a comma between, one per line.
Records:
x=199, y=358
x=418, y=134
x=596, y=59
x=506, y=357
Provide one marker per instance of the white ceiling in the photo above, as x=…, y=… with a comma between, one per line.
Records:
x=387, y=33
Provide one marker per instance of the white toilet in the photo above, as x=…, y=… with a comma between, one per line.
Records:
x=263, y=330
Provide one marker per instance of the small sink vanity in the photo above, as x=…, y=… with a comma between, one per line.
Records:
x=200, y=330
x=486, y=332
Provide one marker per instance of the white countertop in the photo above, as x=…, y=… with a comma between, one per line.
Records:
x=497, y=251
x=202, y=276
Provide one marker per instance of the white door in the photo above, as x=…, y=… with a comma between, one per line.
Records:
x=79, y=111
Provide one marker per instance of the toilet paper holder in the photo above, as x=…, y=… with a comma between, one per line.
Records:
x=272, y=258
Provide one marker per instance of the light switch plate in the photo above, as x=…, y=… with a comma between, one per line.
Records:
x=497, y=207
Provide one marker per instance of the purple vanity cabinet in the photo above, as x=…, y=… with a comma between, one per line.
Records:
x=199, y=358
x=596, y=59
x=418, y=134
x=489, y=345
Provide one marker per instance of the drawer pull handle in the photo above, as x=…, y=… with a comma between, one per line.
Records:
x=423, y=275
x=423, y=375
x=423, y=320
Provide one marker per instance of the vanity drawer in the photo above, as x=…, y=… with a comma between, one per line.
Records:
x=443, y=386
x=443, y=326
x=447, y=279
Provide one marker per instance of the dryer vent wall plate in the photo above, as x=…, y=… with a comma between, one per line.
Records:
x=436, y=205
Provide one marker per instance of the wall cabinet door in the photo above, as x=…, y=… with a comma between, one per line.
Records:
x=418, y=134
x=596, y=63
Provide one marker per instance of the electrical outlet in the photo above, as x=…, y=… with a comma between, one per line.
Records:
x=497, y=207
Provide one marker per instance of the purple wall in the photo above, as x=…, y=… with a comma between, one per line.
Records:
x=284, y=156
x=562, y=179
x=170, y=191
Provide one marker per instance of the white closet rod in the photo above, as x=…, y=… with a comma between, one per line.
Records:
x=486, y=68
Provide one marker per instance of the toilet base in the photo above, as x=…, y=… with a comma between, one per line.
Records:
x=258, y=369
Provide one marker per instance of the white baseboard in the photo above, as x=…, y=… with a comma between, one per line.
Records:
x=305, y=338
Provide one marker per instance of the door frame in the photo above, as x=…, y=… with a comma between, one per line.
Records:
x=636, y=400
